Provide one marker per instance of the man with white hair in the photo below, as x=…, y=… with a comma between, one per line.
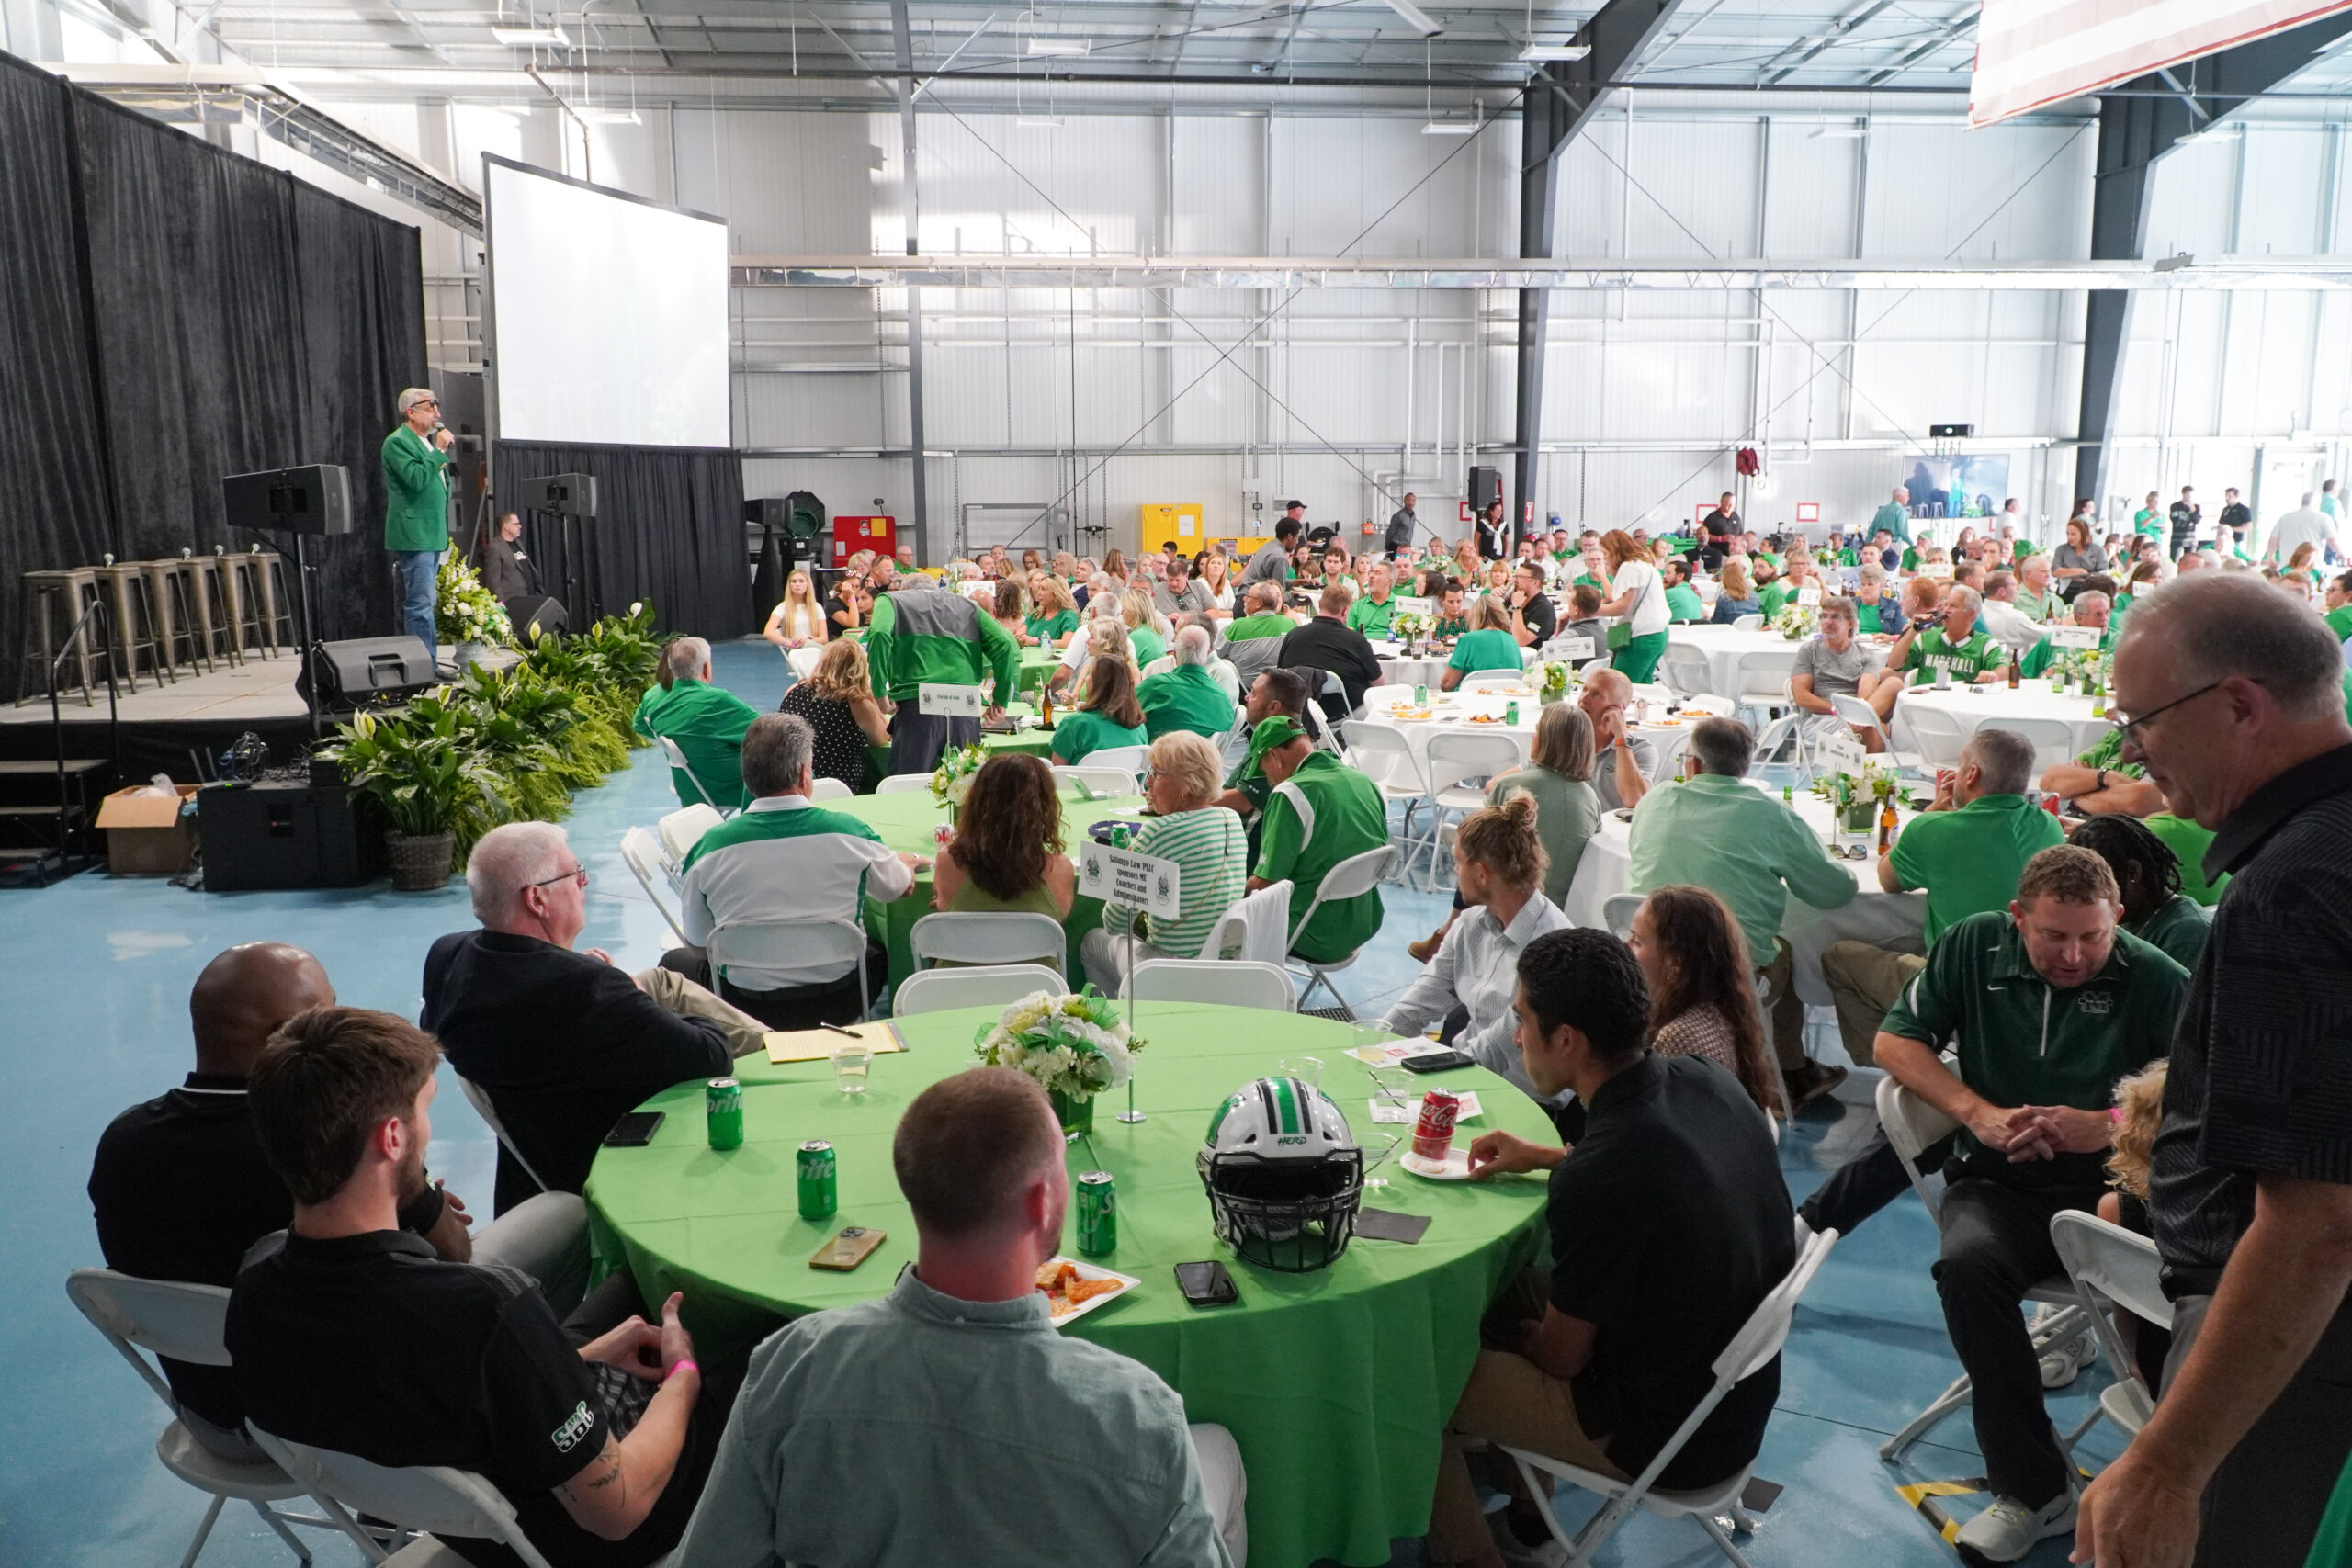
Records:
x=415, y=459
x=1185, y=697
x=1895, y=517
x=1253, y=640
x=706, y=722
x=924, y=636
x=2307, y=525
x=782, y=858
x=562, y=1041
x=1952, y=646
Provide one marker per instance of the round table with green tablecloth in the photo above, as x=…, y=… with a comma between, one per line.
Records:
x=1336, y=1385
x=909, y=822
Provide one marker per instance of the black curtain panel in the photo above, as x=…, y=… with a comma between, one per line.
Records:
x=669, y=527
x=52, y=465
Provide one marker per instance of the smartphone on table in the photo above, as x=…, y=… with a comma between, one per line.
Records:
x=853, y=1247
x=1206, y=1284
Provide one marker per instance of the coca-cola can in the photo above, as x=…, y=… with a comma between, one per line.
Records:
x=1945, y=778
x=1434, y=1133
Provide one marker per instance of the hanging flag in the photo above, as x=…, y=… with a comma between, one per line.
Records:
x=2033, y=52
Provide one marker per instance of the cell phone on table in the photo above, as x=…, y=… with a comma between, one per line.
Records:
x=634, y=1129
x=1206, y=1284
x=846, y=1251
x=1435, y=1062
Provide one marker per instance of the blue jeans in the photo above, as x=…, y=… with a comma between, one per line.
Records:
x=419, y=572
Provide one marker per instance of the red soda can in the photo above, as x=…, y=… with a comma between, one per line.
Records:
x=1434, y=1133
x=1945, y=778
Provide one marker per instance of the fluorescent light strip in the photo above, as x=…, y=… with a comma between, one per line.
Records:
x=1451, y=128
x=1056, y=46
x=1036, y=122
x=1542, y=51
x=522, y=37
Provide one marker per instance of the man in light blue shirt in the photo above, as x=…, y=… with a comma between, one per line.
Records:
x=949, y=1421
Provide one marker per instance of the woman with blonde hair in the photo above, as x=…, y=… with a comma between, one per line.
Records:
x=1487, y=645
x=797, y=619
x=1558, y=776
x=1105, y=636
x=1637, y=591
x=837, y=700
x=1738, y=596
x=1209, y=571
x=1142, y=622
x=1053, y=613
x=1209, y=846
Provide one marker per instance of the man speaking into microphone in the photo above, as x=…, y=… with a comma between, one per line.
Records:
x=416, y=509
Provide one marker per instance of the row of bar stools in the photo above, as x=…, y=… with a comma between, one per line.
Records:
x=136, y=626
x=48, y=604
x=216, y=631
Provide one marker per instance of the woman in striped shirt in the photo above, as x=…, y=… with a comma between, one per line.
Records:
x=1210, y=850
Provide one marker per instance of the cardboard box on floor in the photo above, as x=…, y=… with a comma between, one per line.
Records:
x=146, y=835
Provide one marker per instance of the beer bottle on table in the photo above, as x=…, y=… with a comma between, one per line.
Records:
x=2013, y=669
x=1886, y=824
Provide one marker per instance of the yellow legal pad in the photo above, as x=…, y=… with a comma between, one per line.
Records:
x=816, y=1044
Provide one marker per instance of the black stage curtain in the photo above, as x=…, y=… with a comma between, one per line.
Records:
x=170, y=313
x=52, y=465
x=669, y=527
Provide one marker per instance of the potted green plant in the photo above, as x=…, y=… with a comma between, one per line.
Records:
x=433, y=784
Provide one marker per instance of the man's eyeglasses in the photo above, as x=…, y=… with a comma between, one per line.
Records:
x=577, y=874
x=2129, y=726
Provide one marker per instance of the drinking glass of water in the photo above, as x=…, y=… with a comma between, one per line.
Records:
x=851, y=1059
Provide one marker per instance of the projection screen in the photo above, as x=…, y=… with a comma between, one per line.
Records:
x=606, y=315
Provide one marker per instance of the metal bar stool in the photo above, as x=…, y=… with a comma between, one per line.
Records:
x=213, y=620
x=277, y=602
x=48, y=604
x=167, y=588
x=134, y=631
x=241, y=581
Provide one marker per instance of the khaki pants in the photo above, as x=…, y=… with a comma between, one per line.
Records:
x=1864, y=980
x=677, y=994
x=1512, y=1400
x=1787, y=1023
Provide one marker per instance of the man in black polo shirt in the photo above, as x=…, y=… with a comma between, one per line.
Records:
x=2048, y=1005
x=2231, y=694
x=180, y=1187
x=349, y=1334
x=1716, y=531
x=1672, y=1146
x=1534, y=619
x=1327, y=643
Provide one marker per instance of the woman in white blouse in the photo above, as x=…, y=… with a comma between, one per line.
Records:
x=799, y=620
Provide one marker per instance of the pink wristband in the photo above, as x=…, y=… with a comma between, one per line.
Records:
x=671, y=1371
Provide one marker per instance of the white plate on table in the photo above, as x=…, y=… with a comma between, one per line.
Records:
x=1455, y=1167
x=1088, y=1271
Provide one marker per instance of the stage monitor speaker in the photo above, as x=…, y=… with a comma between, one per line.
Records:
x=1485, y=487
x=280, y=835
x=768, y=512
x=313, y=499
x=1951, y=432
x=529, y=610
x=367, y=669
x=562, y=495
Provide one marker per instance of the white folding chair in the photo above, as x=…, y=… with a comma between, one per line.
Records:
x=412, y=1498
x=679, y=764
x=1490, y=683
x=1257, y=928
x=1685, y=670
x=1385, y=757
x=1859, y=715
x=642, y=853
x=834, y=789
x=1007, y=937
x=681, y=829
x=1597, y=663
x=1457, y=770
x=1764, y=682
x=983, y=985
x=1912, y=1124
x=1383, y=698
x=1128, y=760
x=1351, y=878
x=2053, y=739
x=1669, y=756
x=1709, y=705
x=902, y=783
x=1752, y=1349
x=788, y=944
x=183, y=1322
x=478, y=1097
x=1936, y=733
x=1617, y=912
x=1097, y=782
x=2111, y=1267
x=1231, y=981
x=803, y=661
x=1748, y=624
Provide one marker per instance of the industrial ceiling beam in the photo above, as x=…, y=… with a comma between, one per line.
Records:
x=2136, y=127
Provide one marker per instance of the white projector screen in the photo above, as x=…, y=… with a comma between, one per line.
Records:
x=608, y=314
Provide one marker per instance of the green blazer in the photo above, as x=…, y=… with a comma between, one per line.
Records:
x=416, y=492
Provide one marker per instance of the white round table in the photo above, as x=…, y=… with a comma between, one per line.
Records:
x=1396, y=670
x=1969, y=707
x=1453, y=711
x=1724, y=649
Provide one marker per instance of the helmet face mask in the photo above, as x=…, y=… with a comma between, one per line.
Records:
x=1283, y=1176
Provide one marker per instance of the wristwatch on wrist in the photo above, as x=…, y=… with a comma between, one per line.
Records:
x=2102, y=778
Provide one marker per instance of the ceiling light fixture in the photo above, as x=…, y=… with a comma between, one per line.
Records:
x=610, y=117
x=1056, y=46
x=1420, y=21
x=1536, y=52
x=523, y=37
x=1451, y=128
x=1037, y=122
x=1837, y=133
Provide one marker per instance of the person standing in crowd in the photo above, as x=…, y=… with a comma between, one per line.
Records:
x=416, y=509
x=1271, y=563
x=2304, y=526
x=2230, y=528
x=1494, y=534
x=1893, y=519
x=928, y=635
x=1716, y=531
x=2232, y=695
x=2185, y=516
x=1402, y=525
x=1637, y=591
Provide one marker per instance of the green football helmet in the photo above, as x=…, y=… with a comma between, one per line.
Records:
x=1283, y=1176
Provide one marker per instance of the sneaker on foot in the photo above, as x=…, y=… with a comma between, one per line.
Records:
x=2062, y=1362
x=2007, y=1530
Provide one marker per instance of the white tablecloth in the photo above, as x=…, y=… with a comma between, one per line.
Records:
x=1970, y=708
x=1396, y=670
x=1888, y=920
x=1723, y=648
x=1453, y=711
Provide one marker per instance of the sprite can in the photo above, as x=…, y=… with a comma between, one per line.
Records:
x=1421, y=696
x=1098, y=1213
x=723, y=1111
x=819, y=1192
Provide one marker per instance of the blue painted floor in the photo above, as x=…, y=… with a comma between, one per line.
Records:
x=98, y=971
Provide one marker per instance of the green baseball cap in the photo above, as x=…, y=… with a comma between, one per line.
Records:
x=1278, y=729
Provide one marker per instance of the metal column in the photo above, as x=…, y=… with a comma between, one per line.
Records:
x=905, y=86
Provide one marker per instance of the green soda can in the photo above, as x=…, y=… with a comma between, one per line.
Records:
x=1098, y=1213
x=723, y=1110
x=1510, y=711
x=819, y=1192
x=1421, y=696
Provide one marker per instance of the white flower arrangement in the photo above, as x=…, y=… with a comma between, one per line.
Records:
x=952, y=780
x=1550, y=678
x=1795, y=621
x=1076, y=1046
x=464, y=611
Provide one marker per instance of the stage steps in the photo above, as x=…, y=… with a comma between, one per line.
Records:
x=36, y=826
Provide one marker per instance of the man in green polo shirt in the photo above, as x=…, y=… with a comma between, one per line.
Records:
x=1955, y=647
x=1966, y=853
x=1318, y=812
x=1277, y=692
x=416, y=509
x=2046, y=1008
x=1895, y=517
x=1374, y=609
x=2035, y=597
x=1253, y=639
x=931, y=637
x=1682, y=601
x=1185, y=696
x=2090, y=610
x=706, y=723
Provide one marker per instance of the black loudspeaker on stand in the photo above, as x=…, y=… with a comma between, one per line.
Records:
x=315, y=499
x=570, y=499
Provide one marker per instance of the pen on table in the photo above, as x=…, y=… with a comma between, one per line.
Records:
x=837, y=1029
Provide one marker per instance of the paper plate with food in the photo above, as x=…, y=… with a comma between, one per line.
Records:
x=1072, y=1288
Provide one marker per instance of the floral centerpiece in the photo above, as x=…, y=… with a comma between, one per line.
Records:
x=1858, y=796
x=1797, y=622
x=465, y=614
x=1409, y=627
x=1077, y=1046
x=1550, y=678
x=952, y=780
